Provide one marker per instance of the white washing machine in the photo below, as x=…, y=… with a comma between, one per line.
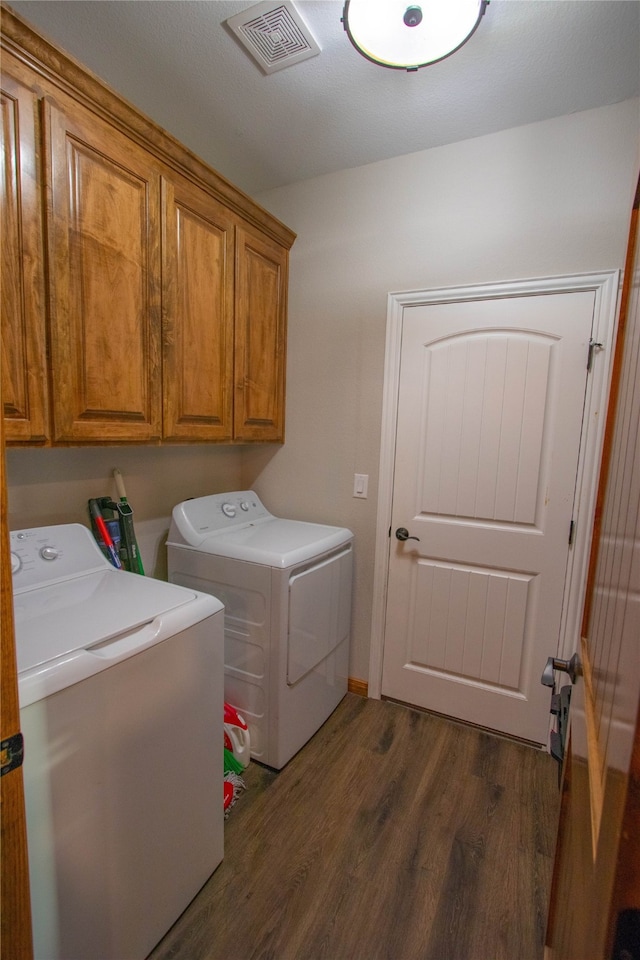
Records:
x=286, y=589
x=121, y=693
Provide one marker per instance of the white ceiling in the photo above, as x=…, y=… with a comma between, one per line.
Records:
x=529, y=60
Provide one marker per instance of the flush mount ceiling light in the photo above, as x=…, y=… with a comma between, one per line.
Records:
x=407, y=36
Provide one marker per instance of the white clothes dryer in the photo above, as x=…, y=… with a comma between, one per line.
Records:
x=286, y=589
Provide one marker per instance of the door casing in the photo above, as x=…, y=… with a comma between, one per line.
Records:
x=605, y=287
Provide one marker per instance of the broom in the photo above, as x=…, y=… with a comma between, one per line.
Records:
x=134, y=560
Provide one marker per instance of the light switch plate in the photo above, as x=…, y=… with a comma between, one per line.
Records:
x=361, y=485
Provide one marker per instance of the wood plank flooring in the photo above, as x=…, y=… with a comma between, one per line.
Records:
x=393, y=835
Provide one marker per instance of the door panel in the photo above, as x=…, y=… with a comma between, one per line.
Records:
x=197, y=306
x=595, y=898
x=24, y=376
x=15, y=903
x=490, y=411
x=260, y=337
x=319, y=613
x=104, y=258
x=483, y=425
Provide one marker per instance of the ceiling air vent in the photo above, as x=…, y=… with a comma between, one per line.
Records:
x=275, y=35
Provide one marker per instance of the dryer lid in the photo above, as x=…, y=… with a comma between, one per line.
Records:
x=275, y=542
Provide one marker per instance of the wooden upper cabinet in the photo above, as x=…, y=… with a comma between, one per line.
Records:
x=24, y=379
x=260, y=337
x=104, y=275
x=144, y=297
x=197, y=313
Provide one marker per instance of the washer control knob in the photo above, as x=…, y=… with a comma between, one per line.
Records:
x=228, y=509
x=49, y=553
x=16, y=563
x=244, y=505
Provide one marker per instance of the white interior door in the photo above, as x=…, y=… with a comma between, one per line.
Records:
x=490, y=407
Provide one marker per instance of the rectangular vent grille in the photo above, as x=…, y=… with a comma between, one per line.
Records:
x=275, y=36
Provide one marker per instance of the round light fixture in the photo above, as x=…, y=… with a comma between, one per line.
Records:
x=406, y=36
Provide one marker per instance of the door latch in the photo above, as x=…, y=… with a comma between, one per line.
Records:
x=593, y=346
x=560, y=703
x=12, y=753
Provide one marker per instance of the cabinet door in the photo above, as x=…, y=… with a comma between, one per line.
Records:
x=104, y=259
x=260, y=337
x=24, y=380
x=197, y=314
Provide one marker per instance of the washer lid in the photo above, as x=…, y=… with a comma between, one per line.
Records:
x=275, y=542
x=58, y=619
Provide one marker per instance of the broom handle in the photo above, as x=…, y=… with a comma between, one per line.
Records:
x=135, y=560
x=119, y=484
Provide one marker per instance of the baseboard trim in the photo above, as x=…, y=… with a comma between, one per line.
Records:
x=361, y=687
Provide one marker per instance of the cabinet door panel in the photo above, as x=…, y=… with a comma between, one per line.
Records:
x=197, y=314
x=24, y=380
x=104, y=255
x=261, y=287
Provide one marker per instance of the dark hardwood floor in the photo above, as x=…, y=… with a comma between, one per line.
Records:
x=393, y=834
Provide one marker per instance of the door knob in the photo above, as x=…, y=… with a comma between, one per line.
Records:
x=572, y=667
x=403, y=534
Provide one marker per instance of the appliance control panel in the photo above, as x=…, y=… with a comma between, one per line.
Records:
x=41, y=555
x=204, y=516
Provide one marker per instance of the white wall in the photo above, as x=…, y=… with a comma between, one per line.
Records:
x=53, y=486
x=547, y=199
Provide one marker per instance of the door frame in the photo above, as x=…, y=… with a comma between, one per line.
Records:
x=605, y=286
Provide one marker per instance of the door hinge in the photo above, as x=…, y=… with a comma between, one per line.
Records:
x=12, y=753
x=572, y=530
x=593, y=346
